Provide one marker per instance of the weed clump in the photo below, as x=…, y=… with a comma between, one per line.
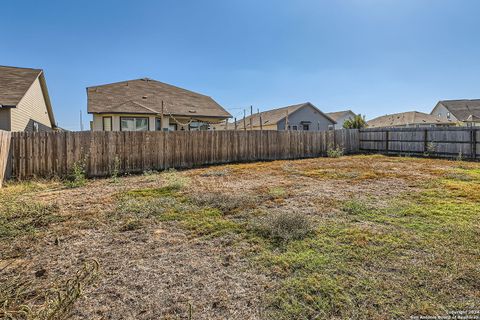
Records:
x=334, y=151
x=284, y=227
x=224, y=202
x=174, y=180
x=19, y=217
x=77, y=178
x=19, y=299
x=354, y=207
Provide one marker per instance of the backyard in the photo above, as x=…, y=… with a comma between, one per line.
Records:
x=361, y=237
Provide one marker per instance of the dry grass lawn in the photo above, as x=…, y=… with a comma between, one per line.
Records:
x=359, y=237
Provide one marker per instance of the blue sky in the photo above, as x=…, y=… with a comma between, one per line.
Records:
x=372, y=56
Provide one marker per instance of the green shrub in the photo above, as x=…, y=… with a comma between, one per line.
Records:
x=284, y=227
x=334, y=152
x=77, y=177
x=115, y=169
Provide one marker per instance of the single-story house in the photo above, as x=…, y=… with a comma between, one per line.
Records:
x=409, y=119
x=303, y=117
x=150, y=105
x=463, y=112
x=340, y=117
x=24, y=101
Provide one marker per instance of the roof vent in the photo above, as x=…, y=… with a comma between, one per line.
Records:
x=192, y=111
x=146, y=79
x=144, y=97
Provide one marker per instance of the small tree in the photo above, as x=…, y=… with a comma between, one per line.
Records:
x=357, y=122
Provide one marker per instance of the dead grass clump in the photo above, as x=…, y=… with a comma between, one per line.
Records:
x=144, y=207
x=285, y=226
x=226, y=203
x=215, y=173
x=20, y=299
x=174, y=180
x=19, y=217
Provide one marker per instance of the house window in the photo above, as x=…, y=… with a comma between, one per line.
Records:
x=197, y=125
x=107, y=123
x=295, y=128
x=172, y=127
x=134, y=124
x=306, y=127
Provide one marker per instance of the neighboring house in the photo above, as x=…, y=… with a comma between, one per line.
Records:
x=303, y=117
x=463, y=112
x=150, y=105
x=24, y=101
x=340, y=117
x=409, y=119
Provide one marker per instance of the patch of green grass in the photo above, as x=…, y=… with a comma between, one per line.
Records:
x=416, y=256
x=167, y=191
x=204, y=221
x=277, y=192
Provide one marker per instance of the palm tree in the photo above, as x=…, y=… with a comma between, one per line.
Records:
x=357, y=122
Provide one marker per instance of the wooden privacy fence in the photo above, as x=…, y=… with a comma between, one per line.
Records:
x=4, y=154
x=55, y=153
x=446, y=142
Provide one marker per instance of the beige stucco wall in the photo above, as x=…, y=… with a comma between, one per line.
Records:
x=98, y=120
x=31, y=107
x=5, y=119
x=97, y=123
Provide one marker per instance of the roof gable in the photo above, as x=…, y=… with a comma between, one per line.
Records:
x=407, y=118
x=274, y=116
x=14, y=83
x=340, y=114
x=463, y=110
x=147, y=94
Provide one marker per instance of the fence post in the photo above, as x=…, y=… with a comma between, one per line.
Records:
x=425, y=141
x=387, y=134
x=473, y=145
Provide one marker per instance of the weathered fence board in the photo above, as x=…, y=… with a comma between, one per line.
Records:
x=446, y=142
x=55, y=153
x=4, y=155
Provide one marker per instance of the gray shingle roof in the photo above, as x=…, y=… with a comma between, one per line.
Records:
x=407, y=118
x=463, y=110
x=146, y=95
x=273, y=116
x=14, y=83
x=339, y=114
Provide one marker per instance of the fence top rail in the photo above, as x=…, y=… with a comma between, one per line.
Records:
x=413, y=129
x=240, y=132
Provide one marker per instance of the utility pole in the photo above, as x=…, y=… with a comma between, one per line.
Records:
x=161, y=119
x=81, y=121
x=286, y=121
x=244, y=121
x=251, y=116
x=260, y=119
